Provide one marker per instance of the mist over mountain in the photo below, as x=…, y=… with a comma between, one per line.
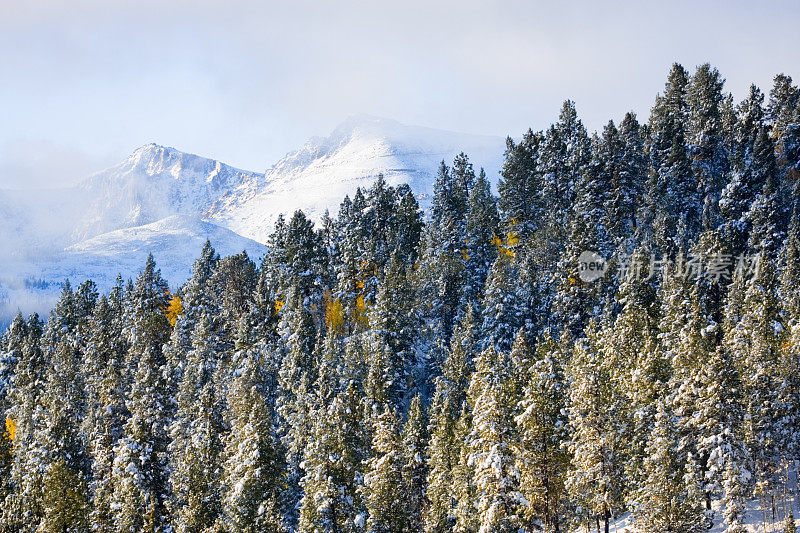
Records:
x=167, y=202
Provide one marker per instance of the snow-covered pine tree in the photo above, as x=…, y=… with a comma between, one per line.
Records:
x=503, y=305
x=295, y=378
x=441, y=271
x=576, y=301
x=65, y=498
x=541, y=426
x=596, y=478
x=415, y=469
x=673, y=205
x=669, y=498
x=22, y=509
x=765, y=215
x=491, y=455
x=465, y=512
x=253, y=483
x=384, y=490
x=520, y=187
x=718, y=418
x=745, y=181
x=784, y=99
x=395, y=324
x=195, y=448
x=483, y=223
x=107, y=383
x=625, y=164
x=140, y=489
x=705, y=140
x=445, y=445
x=332, y=464
x=756, y=348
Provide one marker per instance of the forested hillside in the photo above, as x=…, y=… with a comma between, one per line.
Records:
x=390, y=371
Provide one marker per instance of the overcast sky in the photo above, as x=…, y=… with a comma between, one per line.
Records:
x=84, y=83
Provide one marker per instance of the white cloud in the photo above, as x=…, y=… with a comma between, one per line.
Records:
x=247, y=81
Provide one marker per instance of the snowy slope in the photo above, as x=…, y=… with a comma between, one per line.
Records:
x=318, y=176
x=174, y=241
x=754, y=520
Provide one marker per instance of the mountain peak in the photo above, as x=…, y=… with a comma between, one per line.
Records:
x=153, y=158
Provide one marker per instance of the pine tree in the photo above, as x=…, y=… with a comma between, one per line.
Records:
x=597, y=476
x=503, y=308
x=414, y=443
x=442, y=269
x=784, y=99
x=105, y=365
x=576, y=300
x=625, y=163
x=755, y=345
x=333, y=457
x=445, y=444
x=23, y=508
x=719, y=418
x=491, y=454
x=520, y=185
x=11, y=350
x=542, y=460
x=383, y=482
x=140, y=456
x=233, y=281
x=767, y=232
x=669, y=498
x=395, y=325
x=564, y=155
x=705, y=140
x=195, y=447
x=466, y=494
x=673, y=208
x=482, y=227
x=253, y=469
x=746, y=180
x=295, y=378
x=65, y=499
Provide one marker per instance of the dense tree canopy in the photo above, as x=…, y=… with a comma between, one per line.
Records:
x=387, y=371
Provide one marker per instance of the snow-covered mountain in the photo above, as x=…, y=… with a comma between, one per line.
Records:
x=318, y=176
x=153, y=183
x=167, y=202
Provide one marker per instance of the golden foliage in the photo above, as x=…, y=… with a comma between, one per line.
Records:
x=507, y=246
x=278, y=305
x=334, y=314
x=11, y=429
x=360, y=311
x=173, y=310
